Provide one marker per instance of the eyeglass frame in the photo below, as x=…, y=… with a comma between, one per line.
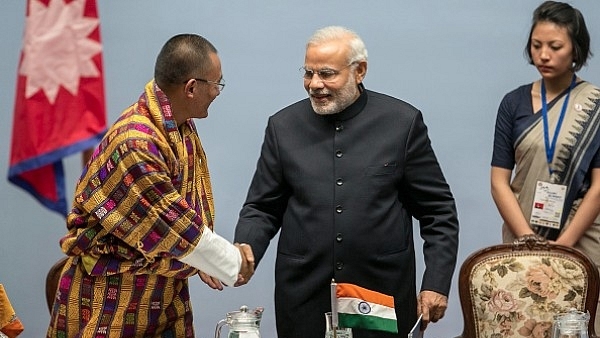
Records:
x=332, y=72
x=220, y=85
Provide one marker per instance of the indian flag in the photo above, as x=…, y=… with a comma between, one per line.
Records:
x=366, y=309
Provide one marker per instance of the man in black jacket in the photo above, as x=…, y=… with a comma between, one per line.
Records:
x=341, y=174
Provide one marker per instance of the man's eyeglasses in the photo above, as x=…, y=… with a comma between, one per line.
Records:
x=220, y=84
x=325, y=74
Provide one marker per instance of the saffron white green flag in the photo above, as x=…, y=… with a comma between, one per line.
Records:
x=358, y=307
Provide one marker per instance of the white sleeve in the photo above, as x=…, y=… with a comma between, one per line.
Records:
x=215, y=256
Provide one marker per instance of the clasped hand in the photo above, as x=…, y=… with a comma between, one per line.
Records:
x=246, y=270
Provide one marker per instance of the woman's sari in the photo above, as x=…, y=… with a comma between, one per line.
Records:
x=577, y=144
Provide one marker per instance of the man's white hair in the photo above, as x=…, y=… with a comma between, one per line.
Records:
x=358, y=51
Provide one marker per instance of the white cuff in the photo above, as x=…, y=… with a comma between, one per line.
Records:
x=215, y=256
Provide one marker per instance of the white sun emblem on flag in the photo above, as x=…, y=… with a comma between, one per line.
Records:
x=364, y=307
x=56, y=50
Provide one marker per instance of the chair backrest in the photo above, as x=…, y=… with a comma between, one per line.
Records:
x=52, y=279
x=515, y=290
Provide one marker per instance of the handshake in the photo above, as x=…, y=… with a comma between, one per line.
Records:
x=246, y=269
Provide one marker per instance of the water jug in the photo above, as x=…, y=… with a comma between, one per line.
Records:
x=242, y=324
x=572, y=324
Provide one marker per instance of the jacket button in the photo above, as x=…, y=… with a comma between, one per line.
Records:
x=339, y=265
x=339, y=181
x=338, y=237
x=339, y=209
x=339, y=153
x=339, y=127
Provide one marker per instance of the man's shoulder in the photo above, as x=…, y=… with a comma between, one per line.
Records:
x=298, y=105
x=293, y=110
x=391, y=103
x=132, y=130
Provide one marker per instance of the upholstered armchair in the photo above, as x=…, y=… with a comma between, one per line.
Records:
x=515, y=290
x=52, y=279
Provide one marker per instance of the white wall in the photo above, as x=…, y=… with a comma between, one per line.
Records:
x=453, y=59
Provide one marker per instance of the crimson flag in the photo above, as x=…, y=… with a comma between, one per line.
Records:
x=59, y=106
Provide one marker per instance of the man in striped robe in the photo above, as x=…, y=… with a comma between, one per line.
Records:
x=142, y=216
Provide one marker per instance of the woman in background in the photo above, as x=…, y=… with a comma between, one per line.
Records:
x=548, y=132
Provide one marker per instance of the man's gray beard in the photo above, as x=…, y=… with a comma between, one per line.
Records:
x=329, y=110
x=347, y=95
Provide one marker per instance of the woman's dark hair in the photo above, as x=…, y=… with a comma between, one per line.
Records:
x=564, y=15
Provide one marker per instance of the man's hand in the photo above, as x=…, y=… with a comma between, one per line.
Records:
x=247, y=269
x=432, y=305
x=211, y=281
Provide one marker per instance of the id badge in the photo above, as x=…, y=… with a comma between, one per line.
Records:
x=548, y=203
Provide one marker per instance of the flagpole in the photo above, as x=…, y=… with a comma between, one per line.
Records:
x=334, y=310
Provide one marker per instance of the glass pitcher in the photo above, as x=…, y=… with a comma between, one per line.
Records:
x=572, y=324
x=242, y=323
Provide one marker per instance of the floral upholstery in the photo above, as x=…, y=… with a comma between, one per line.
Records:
x=514, y=291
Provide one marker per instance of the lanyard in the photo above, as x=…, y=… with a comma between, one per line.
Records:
x=550, y=148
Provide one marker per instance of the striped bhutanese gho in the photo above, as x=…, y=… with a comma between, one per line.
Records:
x=140, y=204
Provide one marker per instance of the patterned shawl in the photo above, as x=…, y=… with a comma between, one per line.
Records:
x=144, y=196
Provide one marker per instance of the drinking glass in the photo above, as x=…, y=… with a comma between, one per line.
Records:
x=341, y=332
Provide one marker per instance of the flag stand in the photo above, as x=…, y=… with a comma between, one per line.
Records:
x=334, y=312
